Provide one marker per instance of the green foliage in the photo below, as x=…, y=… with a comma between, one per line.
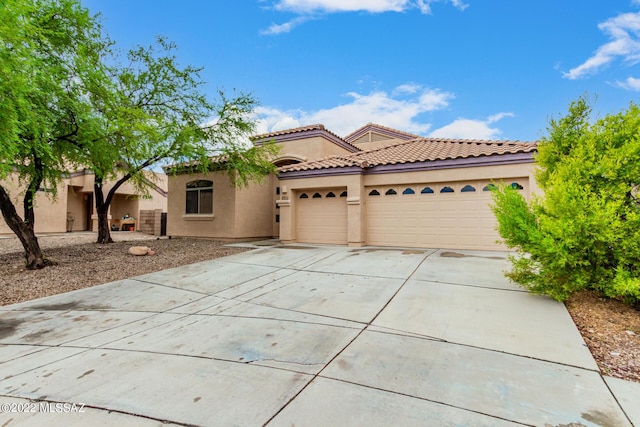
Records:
x=585, y=232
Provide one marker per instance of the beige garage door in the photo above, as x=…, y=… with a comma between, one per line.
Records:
x=455, y=215
x=321, y=216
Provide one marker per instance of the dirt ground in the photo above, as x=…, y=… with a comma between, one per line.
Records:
x=610, y=328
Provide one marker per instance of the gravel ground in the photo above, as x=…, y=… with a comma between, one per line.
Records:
x=83, y=263
x=610, y=329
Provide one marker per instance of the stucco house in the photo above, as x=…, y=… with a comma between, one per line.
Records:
x=376, y=186
x=73, y=208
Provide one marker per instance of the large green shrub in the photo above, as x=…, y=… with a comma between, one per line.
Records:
x=584, y=231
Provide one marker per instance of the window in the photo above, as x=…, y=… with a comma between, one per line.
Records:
x=489, y=187
x=446, y=190
x=200, y=197
x=343, y=194
x=426, y=190
x=390, y=192
x=468, y=189
x=277, y=191
x=304, y=196
x=408, y=191
x=516, y=186
x=330, y=194
x=316, y=196
x=374, y=193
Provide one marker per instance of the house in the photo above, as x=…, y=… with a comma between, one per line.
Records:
x=73, y=208
x=377, y=186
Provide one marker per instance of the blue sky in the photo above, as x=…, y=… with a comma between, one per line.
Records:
x=492, y=69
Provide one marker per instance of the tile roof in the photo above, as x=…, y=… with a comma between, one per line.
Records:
x=287, y=134
x=290, y=131
x=373, y=127
x=417, y=150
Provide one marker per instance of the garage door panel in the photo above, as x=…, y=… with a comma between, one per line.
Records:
x=459, y=220
x=321, y=220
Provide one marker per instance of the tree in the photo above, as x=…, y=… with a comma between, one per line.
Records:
x=47, y=48
x=584, y=233
x=154, y=111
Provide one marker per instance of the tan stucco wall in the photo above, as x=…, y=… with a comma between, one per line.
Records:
x=50, y=214
x=311, y=148
x=77, y=207
x=220, y=224
x=254, y=210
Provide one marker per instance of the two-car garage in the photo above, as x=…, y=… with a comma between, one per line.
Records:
x=455, y=215
x=427, y=192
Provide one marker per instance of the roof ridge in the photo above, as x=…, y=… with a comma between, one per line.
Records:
x=381, y=127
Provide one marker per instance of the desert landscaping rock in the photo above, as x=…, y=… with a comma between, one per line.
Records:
x=139, y=250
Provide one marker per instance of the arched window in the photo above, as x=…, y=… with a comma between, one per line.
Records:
x=426, y=190
x=489, y=187
x=468, y=189
x=199, y=197
x=516, y=186
x=408, y=191
x=316, y=196
x=343, y=194
x=390, y=192
x=446, y=189
x=330, y=194
x=304, y=196
x=374, y=193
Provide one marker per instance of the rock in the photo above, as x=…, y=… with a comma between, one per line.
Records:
x=630, y=332
x=139, y=250
x=151, y=252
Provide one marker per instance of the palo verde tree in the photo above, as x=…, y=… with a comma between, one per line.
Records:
x=584, y=232
x=155, y=111
x=47, y=49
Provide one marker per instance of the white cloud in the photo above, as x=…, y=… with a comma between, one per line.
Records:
x=309, y=8
x=377, y=107
x=624, y=32
x=286, y=27
x=471, y=129
x=373, y=6
x=630, y=84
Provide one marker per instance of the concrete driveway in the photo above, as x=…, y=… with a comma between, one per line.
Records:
x=302, y=335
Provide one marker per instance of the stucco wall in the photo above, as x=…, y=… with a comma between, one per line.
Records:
x=220, y=224
x=50, y=215
x=77, y=207
x=254, y=210
x=311, y=148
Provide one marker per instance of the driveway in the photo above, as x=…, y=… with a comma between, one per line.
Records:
x=306, y=335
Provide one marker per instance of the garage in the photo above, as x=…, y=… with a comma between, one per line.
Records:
x=322, y=216
x=455, y=215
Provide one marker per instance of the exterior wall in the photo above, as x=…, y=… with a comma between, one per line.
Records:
x=73, y=197
x=50, y=214
x=254, y=207
x=77, y=208
x=220, y=224
x=311, y=148
x=149, y=221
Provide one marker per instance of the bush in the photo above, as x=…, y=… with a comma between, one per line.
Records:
x=584, y=233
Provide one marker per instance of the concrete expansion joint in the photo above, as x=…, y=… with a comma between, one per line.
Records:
x=290, y=362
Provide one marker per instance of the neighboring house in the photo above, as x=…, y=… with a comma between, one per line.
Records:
x=73, y=208
x=377, y=186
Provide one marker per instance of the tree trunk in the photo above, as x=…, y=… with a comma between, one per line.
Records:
x=102, y=208
x=104, y=233
x=25, y=232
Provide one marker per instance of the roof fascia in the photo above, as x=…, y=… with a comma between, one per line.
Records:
x=317, y=173
x=310, y=134
x=502, y=159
